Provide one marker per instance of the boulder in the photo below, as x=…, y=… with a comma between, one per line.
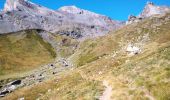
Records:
x=16, y=82
x=10, y=87
x=133, y=50
x=133, y=18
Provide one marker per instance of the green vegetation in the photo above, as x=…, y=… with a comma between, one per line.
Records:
x=23, y=51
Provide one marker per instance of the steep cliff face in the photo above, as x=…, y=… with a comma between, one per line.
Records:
x=22, y=14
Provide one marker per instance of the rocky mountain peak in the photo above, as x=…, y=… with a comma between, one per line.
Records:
x=71, y=9
x=9, y=5
x=152, y=9
x=14, y=4
x=75, y=10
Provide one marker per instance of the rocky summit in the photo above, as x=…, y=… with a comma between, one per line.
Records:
x=149, y=10
x=75, y=54
x=152, y=9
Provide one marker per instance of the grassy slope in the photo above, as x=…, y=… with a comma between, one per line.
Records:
x=139, y=77
x=146, y=75
x=23, y=51
x=68, y=85
x=93, y=49
x=66, y=45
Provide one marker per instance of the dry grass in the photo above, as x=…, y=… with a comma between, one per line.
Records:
x=23, y=51
x=132, y=77
x=67, y=86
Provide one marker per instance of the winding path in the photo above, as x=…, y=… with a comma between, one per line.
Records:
x=107, y=93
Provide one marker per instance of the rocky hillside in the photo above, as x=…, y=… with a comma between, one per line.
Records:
x=21, y=15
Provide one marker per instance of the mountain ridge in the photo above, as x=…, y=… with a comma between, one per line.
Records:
x=16, y=13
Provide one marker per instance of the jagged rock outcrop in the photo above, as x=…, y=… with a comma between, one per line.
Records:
x=132, y=19
x=149, y=10
x=152, y=9
x=22, y=14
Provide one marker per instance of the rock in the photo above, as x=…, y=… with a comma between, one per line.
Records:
x=1, y=17
x=40, y=78
x=7, y=90
x=16, y=82
x=54, y=73
x=40, y=75
x=133, y=50
x=52, y=65
x=3, y=93
x=11, y=88
x=100, y=72
x=132, y=19
x=21, y=98
x=64, y=62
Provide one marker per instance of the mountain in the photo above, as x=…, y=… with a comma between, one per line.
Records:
x=22, y=15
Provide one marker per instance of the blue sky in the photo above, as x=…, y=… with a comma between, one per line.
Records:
x=116, y=9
